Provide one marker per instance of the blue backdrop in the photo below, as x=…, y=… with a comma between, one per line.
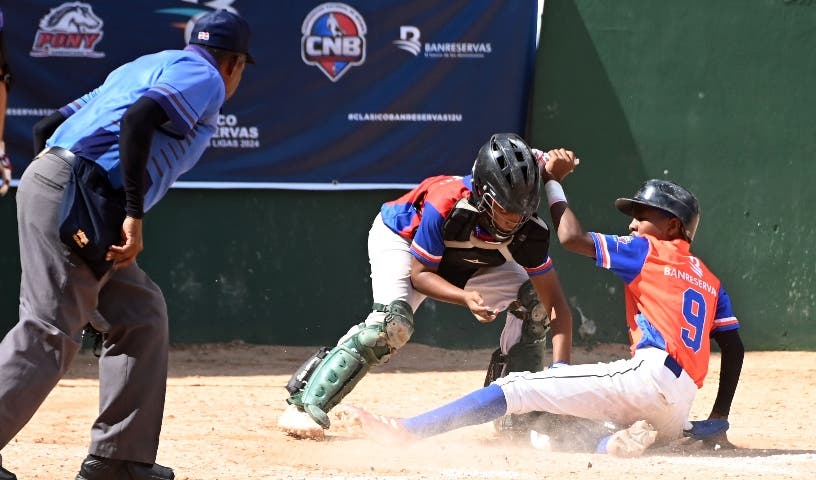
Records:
x=363, y=94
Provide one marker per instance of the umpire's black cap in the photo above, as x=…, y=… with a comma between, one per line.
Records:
x=222, y=29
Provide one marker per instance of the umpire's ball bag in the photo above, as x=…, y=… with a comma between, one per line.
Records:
x=91, y=215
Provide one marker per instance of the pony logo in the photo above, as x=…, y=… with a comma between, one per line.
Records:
x=333, y=39
x=69, y=30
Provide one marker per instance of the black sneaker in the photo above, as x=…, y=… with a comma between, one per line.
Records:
x=101, y=468
x=5, y=474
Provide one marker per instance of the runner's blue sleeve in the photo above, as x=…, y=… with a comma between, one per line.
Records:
x=624, y=256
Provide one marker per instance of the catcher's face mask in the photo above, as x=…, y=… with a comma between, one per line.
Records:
x=497, y=220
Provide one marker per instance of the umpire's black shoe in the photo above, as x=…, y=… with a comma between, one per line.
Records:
x=101, y=468
x=5, y=474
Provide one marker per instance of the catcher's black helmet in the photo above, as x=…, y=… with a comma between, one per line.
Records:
x=506, y=172
x=669, y=197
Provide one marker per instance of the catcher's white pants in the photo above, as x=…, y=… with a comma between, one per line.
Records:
x=624, y=391
x=390, y=258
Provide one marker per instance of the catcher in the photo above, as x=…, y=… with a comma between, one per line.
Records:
x=473, y=241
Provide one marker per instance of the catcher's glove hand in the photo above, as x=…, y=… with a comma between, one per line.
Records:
x=5, y=173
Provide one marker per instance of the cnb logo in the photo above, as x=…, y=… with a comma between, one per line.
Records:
x=69, y=30
x=333, y=39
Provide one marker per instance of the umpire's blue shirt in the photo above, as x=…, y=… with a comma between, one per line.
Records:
x=188, y=86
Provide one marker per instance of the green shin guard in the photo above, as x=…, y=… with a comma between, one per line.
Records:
x=334, y=378
x=341, y=370
x=347, y=363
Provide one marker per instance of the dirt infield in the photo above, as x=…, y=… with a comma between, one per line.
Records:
x=223, y=402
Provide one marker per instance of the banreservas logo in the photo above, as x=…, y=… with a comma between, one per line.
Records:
x=409, y=40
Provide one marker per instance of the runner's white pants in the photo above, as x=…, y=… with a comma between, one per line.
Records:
x=623, y=392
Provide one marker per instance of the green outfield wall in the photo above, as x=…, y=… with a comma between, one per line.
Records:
x=718, y=96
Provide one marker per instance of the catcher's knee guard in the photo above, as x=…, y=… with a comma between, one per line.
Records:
x=528, y=353
x=331, y=378
x=528, y=306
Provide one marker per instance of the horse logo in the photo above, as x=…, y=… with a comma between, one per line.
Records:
x=69, y=30
x=71, y=17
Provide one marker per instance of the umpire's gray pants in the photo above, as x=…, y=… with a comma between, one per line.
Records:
x=58, y=296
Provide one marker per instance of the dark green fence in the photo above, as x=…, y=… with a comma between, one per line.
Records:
x=277, y=267
x=718, y=96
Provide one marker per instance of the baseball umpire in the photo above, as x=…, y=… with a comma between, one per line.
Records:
x=674, y=306
x=109, y=157
x=475, y=241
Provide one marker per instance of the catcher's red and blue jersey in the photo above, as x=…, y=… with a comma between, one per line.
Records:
x=673, y=301
x=419, y=216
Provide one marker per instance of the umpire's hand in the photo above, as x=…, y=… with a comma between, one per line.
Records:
x=125, y=254
x=5, y=172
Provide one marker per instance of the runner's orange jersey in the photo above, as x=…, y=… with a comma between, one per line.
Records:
x=673, y=301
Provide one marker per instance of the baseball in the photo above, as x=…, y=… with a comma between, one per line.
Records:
x=540, y=441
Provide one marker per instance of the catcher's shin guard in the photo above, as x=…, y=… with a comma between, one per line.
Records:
x=528, y=355
x=496, y=368
x=347, y=363
x=305, y=371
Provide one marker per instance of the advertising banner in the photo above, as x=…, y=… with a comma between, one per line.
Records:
x=359, y=94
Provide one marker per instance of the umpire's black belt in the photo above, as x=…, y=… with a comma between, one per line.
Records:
x=66, y=155
x=673, y=366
